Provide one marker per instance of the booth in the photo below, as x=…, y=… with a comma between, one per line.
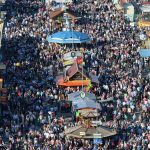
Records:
x=129, y=11
x=3, y=96
x=145, y=18
x=143, y=23
x=84, y=102
x=74, y=76
x=57, y=16
x=84, y=132
x=145, y=9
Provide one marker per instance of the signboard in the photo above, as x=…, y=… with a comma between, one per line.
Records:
x=97, y=141
x=82, y=133
x=82, y=95
x=87, y=110
x=96, y=123
x=69, y=62
x=72, y=55
x=97, y=135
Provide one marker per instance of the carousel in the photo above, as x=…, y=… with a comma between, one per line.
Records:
x=73, y=71
x=87, y=131
x=87, y=111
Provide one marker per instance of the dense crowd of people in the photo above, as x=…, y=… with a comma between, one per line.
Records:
x=33, y=119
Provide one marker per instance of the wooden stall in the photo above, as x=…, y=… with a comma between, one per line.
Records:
x=74, y=76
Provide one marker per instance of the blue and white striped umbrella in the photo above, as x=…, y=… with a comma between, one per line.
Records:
x=68, y=37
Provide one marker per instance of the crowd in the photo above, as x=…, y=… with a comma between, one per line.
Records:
x=33, y=119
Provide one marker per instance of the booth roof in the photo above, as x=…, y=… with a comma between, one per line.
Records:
x=90, y=133
x=76, y=96
x=82, y=104
x=144, y=52
x=89, y=101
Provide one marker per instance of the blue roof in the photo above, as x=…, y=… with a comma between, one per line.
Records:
x=89, y=101
x=86, y=104
x=68, y=37
x=76, y=96
x=144, y=52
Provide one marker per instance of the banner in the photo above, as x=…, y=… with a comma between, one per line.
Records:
x=79, y=60
x=72, y=55
x=89, y=86
x=77, y=114
x=69, y=62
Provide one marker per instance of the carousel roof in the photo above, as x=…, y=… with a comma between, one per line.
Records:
x=89, y=133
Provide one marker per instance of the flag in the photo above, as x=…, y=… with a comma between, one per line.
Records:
x=77, y=114
x=79, y=60
x=89, y=86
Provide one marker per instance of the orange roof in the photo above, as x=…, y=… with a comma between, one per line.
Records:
x=75, y=68
x=74, y=83
x=60, y=81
